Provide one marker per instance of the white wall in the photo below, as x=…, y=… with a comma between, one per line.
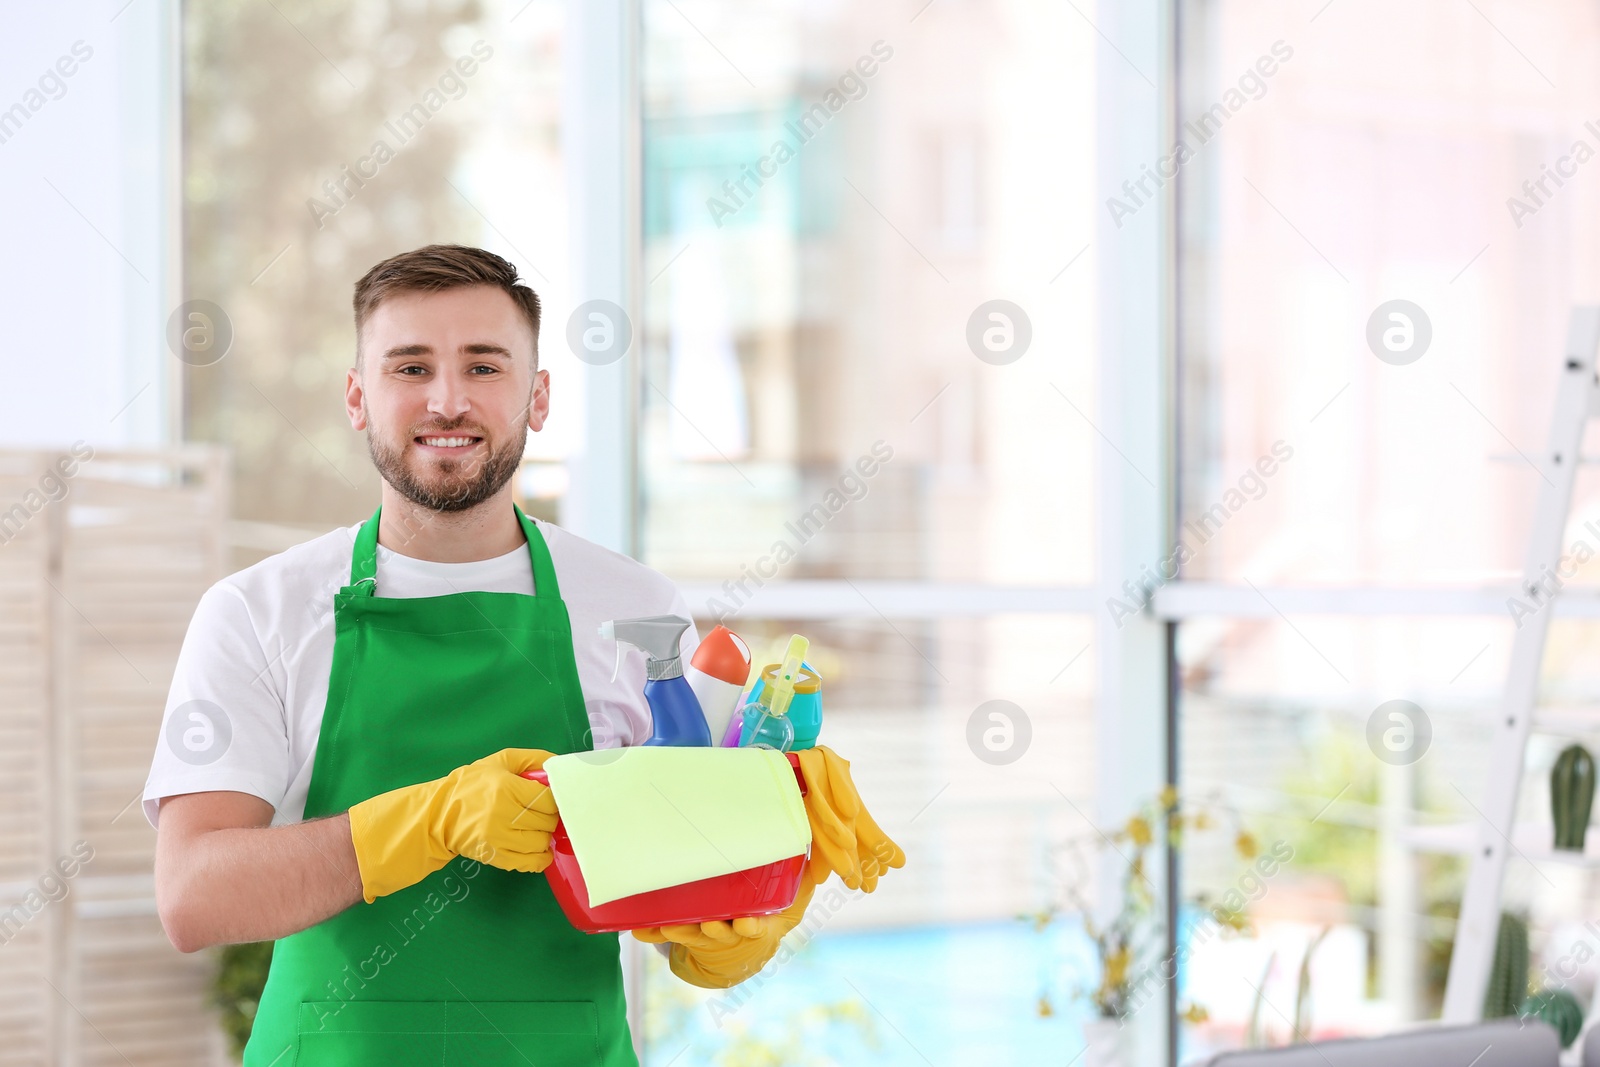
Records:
x=88, y=177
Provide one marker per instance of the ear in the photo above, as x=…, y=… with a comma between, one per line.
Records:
x=539, y=405
x=353, y=396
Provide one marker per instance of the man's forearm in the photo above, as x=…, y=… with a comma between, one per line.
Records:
x=254, y=883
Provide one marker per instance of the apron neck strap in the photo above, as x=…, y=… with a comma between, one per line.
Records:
x=544, y=571
x=364, y=558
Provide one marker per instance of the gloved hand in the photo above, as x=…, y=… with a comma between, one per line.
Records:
x=845, y=839
x=485, y=810
x=717, y=955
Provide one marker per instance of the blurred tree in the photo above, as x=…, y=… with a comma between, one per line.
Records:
x=279, y=98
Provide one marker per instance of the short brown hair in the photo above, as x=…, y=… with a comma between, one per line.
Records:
x=434, y=268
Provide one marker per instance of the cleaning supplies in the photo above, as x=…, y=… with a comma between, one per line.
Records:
x=718, y=955
x=717, y=673
x=766, y=719
x=845, y=838
x=764, y=890
x=805, y=710
x=482, y=810
x=731, y=736
x=650, y=819
x=673, y=705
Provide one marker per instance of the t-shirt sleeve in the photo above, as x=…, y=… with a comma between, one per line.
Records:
x=225, y=726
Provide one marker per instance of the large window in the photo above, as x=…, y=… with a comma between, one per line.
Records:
x=830, y=197
x=1347, y=156
x=1359, y=172
x=831, y=406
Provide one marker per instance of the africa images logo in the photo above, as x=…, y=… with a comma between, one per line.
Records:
x=198, y=732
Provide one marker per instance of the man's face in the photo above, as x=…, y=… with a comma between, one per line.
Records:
x=446, y=391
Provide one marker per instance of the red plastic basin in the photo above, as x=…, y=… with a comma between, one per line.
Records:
x=763, y=890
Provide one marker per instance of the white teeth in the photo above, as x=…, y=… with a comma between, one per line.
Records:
x=447, y=442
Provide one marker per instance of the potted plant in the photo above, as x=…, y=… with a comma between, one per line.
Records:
x=1129, y=939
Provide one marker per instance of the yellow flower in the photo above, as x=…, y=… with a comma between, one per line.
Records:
x=1169, y=797
x=1202, y=821
x=1138, y=830
x=1196, y=1014
x=1116, y=968
x=1245, y=843
x=1045, y=1009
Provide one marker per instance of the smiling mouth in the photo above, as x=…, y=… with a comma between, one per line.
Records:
x=447, y=441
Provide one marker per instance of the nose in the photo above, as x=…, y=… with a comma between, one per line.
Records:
x=448, y=397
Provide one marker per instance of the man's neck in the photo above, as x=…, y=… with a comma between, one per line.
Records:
x=483, y=532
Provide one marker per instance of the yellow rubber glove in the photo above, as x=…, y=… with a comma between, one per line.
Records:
x=845, y=839
x=485, y=810
x=717, y=955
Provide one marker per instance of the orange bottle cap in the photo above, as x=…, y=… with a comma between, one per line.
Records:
x=724, y=656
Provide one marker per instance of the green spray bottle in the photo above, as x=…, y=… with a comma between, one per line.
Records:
x=773, y=727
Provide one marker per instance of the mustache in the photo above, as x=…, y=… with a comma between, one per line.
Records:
x=449, y=426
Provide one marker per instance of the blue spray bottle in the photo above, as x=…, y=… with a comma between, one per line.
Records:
x=678, y=718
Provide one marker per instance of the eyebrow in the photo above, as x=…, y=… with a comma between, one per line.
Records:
x=477, y=348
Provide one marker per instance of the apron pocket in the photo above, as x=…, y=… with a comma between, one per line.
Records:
x=449, y=1033
x=550, y=1033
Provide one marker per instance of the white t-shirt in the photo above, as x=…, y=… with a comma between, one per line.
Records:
x=252, y=677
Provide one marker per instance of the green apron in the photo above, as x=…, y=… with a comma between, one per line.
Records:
x=472, y=965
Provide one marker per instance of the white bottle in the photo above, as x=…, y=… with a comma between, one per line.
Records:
x=717, y=673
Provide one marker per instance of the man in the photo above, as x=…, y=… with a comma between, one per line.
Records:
x=349, y=723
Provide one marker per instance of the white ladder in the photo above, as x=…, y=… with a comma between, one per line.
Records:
x=1577, y=400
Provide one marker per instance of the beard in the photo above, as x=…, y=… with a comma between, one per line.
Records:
x=451, y=485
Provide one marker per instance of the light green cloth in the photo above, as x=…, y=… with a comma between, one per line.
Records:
x=648, y=818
